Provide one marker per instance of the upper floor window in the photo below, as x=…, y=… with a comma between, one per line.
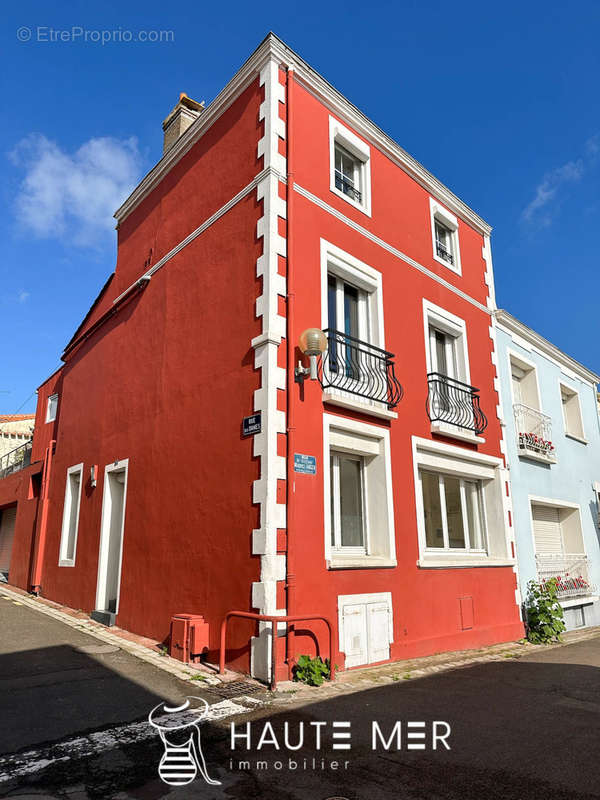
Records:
x=444, y=231
x=350, y=173
x=52, y=408
x=571, y=412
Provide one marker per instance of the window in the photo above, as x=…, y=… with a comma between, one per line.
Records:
x=52, y=408
x=70, y=522
x=446, y=345
x=347, y=503
x=444, y=233
x=350, y=176
x=460, y=500
x=359, y=518
x=453, y=512
x=571, y=412
x=524, y=383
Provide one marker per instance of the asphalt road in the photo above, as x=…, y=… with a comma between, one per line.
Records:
x=521, y=729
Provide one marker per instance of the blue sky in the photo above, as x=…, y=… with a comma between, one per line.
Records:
x=500, y=101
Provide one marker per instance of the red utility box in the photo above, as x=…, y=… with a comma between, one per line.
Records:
x=189, y=637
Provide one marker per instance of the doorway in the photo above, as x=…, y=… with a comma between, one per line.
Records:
x=111, y=542
x=8, y=518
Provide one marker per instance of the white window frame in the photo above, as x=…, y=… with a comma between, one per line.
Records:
x=63, y=559
x=449, y=221
x=434, y=456
x=435, y=316
x=117, y=466
x=361, y=152
x=334, y=484
x=467, y=549
x=372, y=440
x=53, y=398
x=573, y=392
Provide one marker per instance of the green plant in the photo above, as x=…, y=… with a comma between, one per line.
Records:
x=198, y=677
x=311, y=671
x=544, y=613
x=162, y=649
x=407, y=676
x=395, y=677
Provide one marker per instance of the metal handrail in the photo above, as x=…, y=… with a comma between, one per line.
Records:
x=533, y=430
x=359, y=368
x=16, y=459
x=443, y=252
x=454, y=402
x=273, y=620
x=569, y=570
x=346, y=186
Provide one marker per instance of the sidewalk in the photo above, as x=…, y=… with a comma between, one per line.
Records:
x=348, y=681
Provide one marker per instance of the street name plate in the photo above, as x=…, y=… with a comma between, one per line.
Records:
x=251, y=425
x=305, y=464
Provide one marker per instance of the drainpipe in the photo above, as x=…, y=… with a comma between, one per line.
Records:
x=40, y=544
x=291, y=430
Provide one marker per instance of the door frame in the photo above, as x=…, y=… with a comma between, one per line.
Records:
x=116, y=466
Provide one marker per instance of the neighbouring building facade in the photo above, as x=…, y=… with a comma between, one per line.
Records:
x=373, y=491
x=553, y=446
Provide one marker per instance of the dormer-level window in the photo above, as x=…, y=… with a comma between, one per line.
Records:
x=349, y=167
x=347, y=173
x=444, y=234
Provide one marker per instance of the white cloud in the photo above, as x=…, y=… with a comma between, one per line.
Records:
x=73, y=197
x=23, y=296
x=539, y=211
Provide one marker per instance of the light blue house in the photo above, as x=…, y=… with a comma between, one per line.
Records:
x=552, y=440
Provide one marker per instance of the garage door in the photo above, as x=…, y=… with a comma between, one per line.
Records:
x=546, y=529
x=7, y=530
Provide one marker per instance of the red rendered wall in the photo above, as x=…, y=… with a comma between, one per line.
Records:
x=165, y=384
x=425, y=601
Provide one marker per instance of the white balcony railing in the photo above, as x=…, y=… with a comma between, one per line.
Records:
x=534, y=433
x=570, y=571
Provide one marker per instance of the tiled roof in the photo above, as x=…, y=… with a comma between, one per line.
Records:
x=15, y=417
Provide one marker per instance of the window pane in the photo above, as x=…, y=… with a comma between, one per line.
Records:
x=351, y=310
x=456, y=531
x=440, y=353
x=474, y=515
x=332, y=322
x=351, y=502
x=434, y=534
x=334, y=499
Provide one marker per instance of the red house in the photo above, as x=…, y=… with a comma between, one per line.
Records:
x=372, y=491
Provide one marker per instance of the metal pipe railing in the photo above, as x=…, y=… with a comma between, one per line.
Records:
x=274, y=620
x=454, y=402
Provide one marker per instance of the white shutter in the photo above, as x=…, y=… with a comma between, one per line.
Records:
x=355, y=634
x=546, y=529
x=378, y=631
x=7, y=530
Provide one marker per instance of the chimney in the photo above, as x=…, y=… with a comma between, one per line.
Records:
x=179, y=120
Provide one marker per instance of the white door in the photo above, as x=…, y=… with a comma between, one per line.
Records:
x=355, y=634
x=7, y=532
x=546, y=529
x=111, y=539
x=378, y=631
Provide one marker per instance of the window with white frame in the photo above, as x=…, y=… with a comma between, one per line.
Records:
x=461, y=519
x=446, y=343
x=359, y=522
x=453, y=512
x=347, y=503
x=349, y=166
x=70, y=522
x=571, y=412
x=444, y=233
x=524, y=383
x=52, y=408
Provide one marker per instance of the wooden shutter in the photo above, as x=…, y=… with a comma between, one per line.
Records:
x=7, y=530
x=546, y=529
x=378, y=631
x=355, y=634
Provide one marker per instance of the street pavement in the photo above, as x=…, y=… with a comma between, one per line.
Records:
x=74, y=726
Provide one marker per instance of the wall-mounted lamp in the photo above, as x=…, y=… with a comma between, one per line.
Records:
x=313, y=343
x=93, y=475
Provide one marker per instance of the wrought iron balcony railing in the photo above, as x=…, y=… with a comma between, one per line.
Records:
x=443, y=252
x=16, y=459
x=359, y=368
x=534, y=432
x=346, y=186
x=570, y=571
x=454, y=403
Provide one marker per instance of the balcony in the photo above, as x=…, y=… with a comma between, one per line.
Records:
x=443, y=252
x=350, y=366
x=534, y=434
x=570, y=571
x=453, y=407
x=16, y=459
x=346, y=185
